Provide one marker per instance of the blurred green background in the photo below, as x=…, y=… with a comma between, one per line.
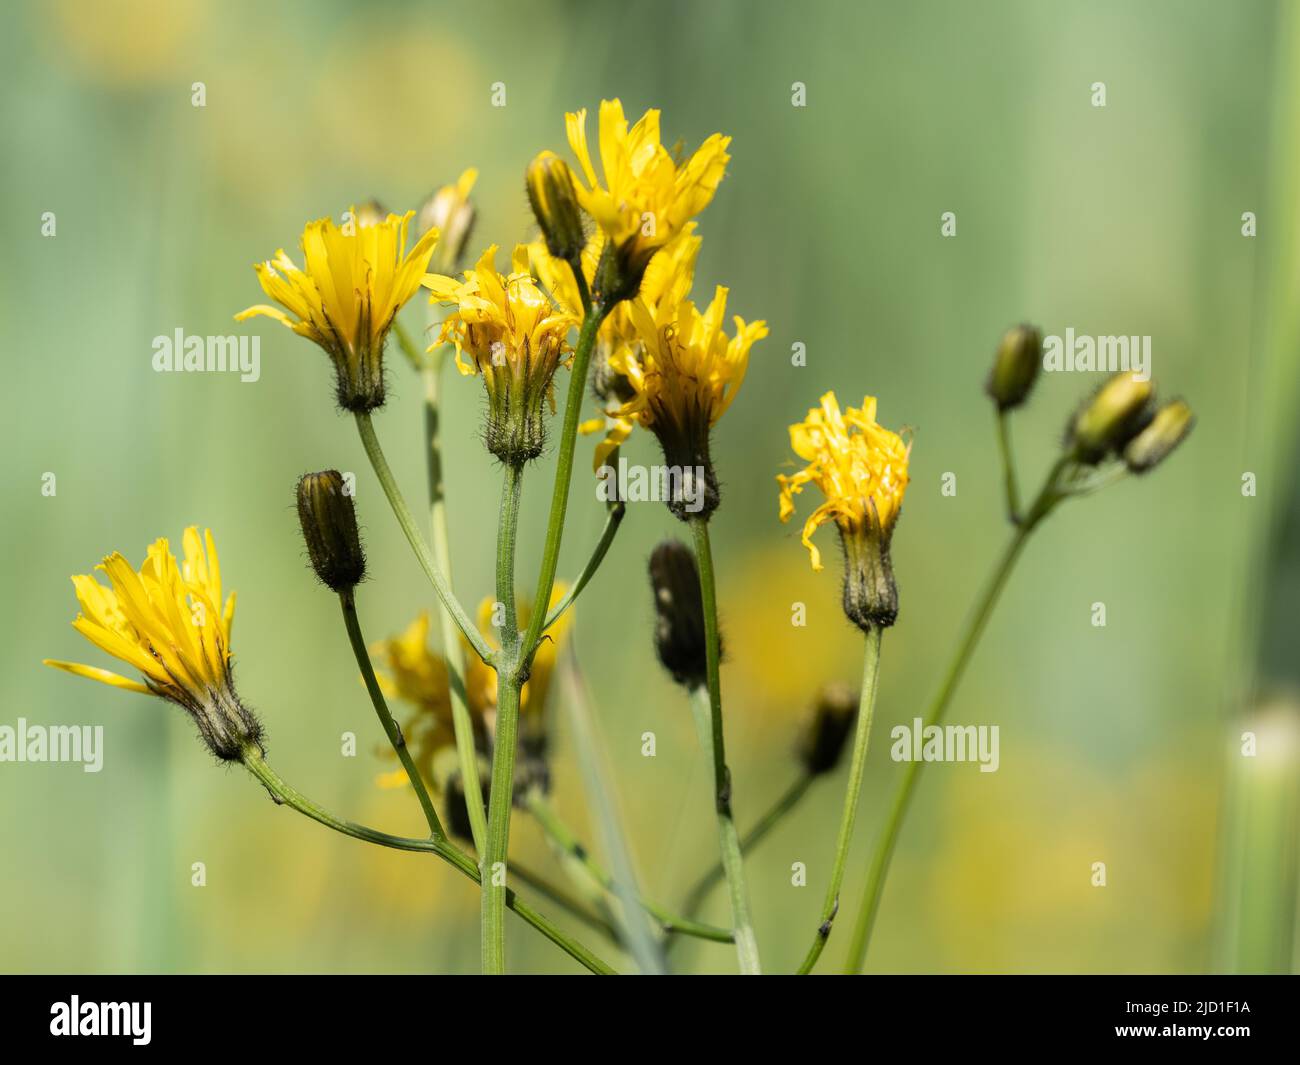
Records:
x=1116, y=743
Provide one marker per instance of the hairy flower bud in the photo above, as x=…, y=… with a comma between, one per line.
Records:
x=1108, y=420
x=329, y=528
x=1015, y=367
x=555, y=205
x=822, y=741
x=679, y=613
x=1169, y=428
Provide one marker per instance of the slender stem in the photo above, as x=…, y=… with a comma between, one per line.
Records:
x=787, y=802
x=563, y=837
x=348, y=601
x=1008, y=466
x=452, y=649
x=285, y=794
x=647, y=949
x=403, y=514
x=580, y=279
x=612, y=522
x=510, y=680
x=861, y=740
x=409, y=348
x=563, y=475
x=563, y=900
x=707, y=703
x=889, y=835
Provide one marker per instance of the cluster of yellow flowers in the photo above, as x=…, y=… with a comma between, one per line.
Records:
x=604, y=290
x=659, y=362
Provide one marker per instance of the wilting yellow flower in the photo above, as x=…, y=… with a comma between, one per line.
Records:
x=683, y=377
x=357, y=277
x=169, y=622
x=647, y=197
x=861, y=469
x=450, y=211
x=516, y=337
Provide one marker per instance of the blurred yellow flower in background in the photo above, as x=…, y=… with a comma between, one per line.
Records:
x=407, y=668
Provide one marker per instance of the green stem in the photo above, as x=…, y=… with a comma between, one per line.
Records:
x=403, y=514
x=889, y=835
x=787, y=802
x=510, y=679
x=563, y=900
x=348, y=601
x=452, y=648
x=409, y=348
x=647, y=949
x=563, y=837
x=563, y=476
x=1008, y=466
x=285, y=794
x=612, y=522
x=707, y=704
x=861, y=740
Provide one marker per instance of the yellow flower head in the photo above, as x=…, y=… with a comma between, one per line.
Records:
x=667, y=279
x=647, y=197
x=683, y=375
x=451, y=212
x=357, y=277
x=169, y=622
x=861, y=469
x=516, y=337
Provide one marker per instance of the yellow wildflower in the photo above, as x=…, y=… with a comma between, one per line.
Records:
x=647, y=197
x=861, y=469
x=516, y=337
x=169, y=622
x=357, y=277
x=682, y=379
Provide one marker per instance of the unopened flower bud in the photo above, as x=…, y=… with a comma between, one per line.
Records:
x=329, y=528
x=452, y=213
x=555, y=205
x=679, y=608
x=1166, y=431
x=1015, y=367
x=370, y=213
x=823, y=739
x=1112, y=417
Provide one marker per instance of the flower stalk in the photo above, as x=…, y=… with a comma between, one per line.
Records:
x=510, y=680
x=857, y=768
x=366, y=429
x=706, y=702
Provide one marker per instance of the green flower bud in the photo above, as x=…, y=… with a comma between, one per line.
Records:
x=329, y=528
x=555, y=205
x=1169, y=428
x=1111, y=418
x=1015, y=367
